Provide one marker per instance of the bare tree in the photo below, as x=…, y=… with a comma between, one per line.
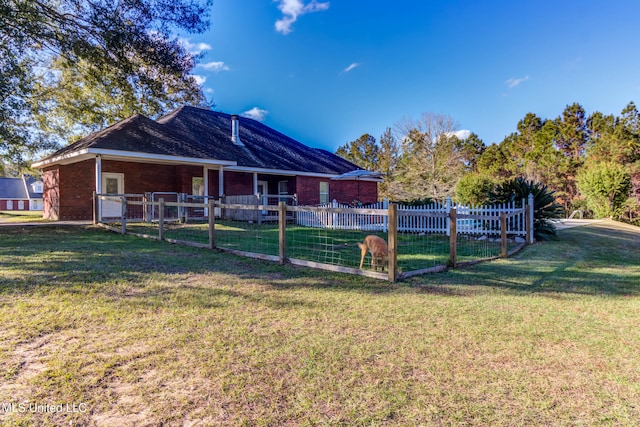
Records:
x=431, y=162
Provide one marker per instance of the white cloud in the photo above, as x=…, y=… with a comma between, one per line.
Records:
x=462, y=134
x=194, y=48
x=292, y=9
x=215, y=66
x=351, y=67
x=256, y=114
x=513, y=82
x=209, y=90
x=199, y=79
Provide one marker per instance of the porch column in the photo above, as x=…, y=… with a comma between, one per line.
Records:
x=99, y=185
x=221, y=181
x=205, y=175
x=99, y=174
x=255, y=183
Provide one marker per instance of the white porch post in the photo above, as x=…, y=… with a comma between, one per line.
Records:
x=99, y=174
x=99, y=184
x=221, y=181
x=205, y=175
x=255, y=183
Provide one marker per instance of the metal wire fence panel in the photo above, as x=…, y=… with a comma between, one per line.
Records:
x=472, y=247
x=192, y=232
x=323, y=237
x=421, y=251
x=243, y=236
x=171, y=213
x=327, y=246
x=190, y=213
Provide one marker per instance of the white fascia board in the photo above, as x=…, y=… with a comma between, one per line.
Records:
x=64, y=158
x=130, y=156
x=160, y=157
x=277, y=172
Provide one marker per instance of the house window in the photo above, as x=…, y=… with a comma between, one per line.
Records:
x=112, y=185
x=37, y=187
x=324, y=193
x=9, y=205
x=21, y=205
x=283, y=190
x=197, y=186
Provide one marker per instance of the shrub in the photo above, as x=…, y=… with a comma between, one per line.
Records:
x=473, y=189
x=545, y=207
x=605, y=187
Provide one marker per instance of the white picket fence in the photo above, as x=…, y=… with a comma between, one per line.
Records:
x=432, y=218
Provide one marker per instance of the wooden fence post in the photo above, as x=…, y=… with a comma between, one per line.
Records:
x=392, y=223
x=453, y=237
x=146, y=212
x=161, y=219
x=503, y=234
x=212, y=225
x=282, y=228
x=124, y=214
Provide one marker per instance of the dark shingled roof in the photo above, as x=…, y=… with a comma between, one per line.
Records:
x=18, y=188
x=204, y=134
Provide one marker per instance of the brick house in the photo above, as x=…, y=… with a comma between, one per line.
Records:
x=20, y=194
x=193, y=151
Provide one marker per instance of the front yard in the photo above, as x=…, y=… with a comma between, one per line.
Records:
x=118, y=330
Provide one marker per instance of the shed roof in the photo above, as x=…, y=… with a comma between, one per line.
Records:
x=203, y=134
x=18, y=188
x=12, y=188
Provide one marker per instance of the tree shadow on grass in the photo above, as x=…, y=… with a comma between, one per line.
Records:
x=600, y=259
x=594, y=260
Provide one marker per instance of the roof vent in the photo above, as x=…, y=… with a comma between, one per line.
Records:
x=235, y=130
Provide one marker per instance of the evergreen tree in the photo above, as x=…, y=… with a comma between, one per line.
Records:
x=364, y=152
x=387, y=163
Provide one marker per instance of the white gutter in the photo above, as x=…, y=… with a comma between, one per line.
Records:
x=130, y=155
x=61, y=158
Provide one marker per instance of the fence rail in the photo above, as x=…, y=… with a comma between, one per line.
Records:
x=432, y=218
x=419, y=240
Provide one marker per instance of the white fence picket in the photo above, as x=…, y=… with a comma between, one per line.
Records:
x=431, y=218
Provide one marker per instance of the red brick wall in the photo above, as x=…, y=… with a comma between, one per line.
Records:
x=68, y=191
x=51, y=192
x=238, y=183
x=214, y=182
x=140, y=178
x=15, y=207
x=348, y=191
x=308, y=190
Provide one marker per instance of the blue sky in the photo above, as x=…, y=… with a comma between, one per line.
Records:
x=326, y=72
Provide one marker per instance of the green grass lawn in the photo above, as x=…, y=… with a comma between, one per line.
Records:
x=138, y=332
x=21, y=216
x=335, y=247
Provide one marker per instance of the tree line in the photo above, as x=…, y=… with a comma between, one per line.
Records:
x=590, y=161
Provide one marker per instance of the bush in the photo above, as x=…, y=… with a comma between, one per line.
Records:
x=545, y=207
x=473, y=189
x=416, y=202
x=605, y=187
